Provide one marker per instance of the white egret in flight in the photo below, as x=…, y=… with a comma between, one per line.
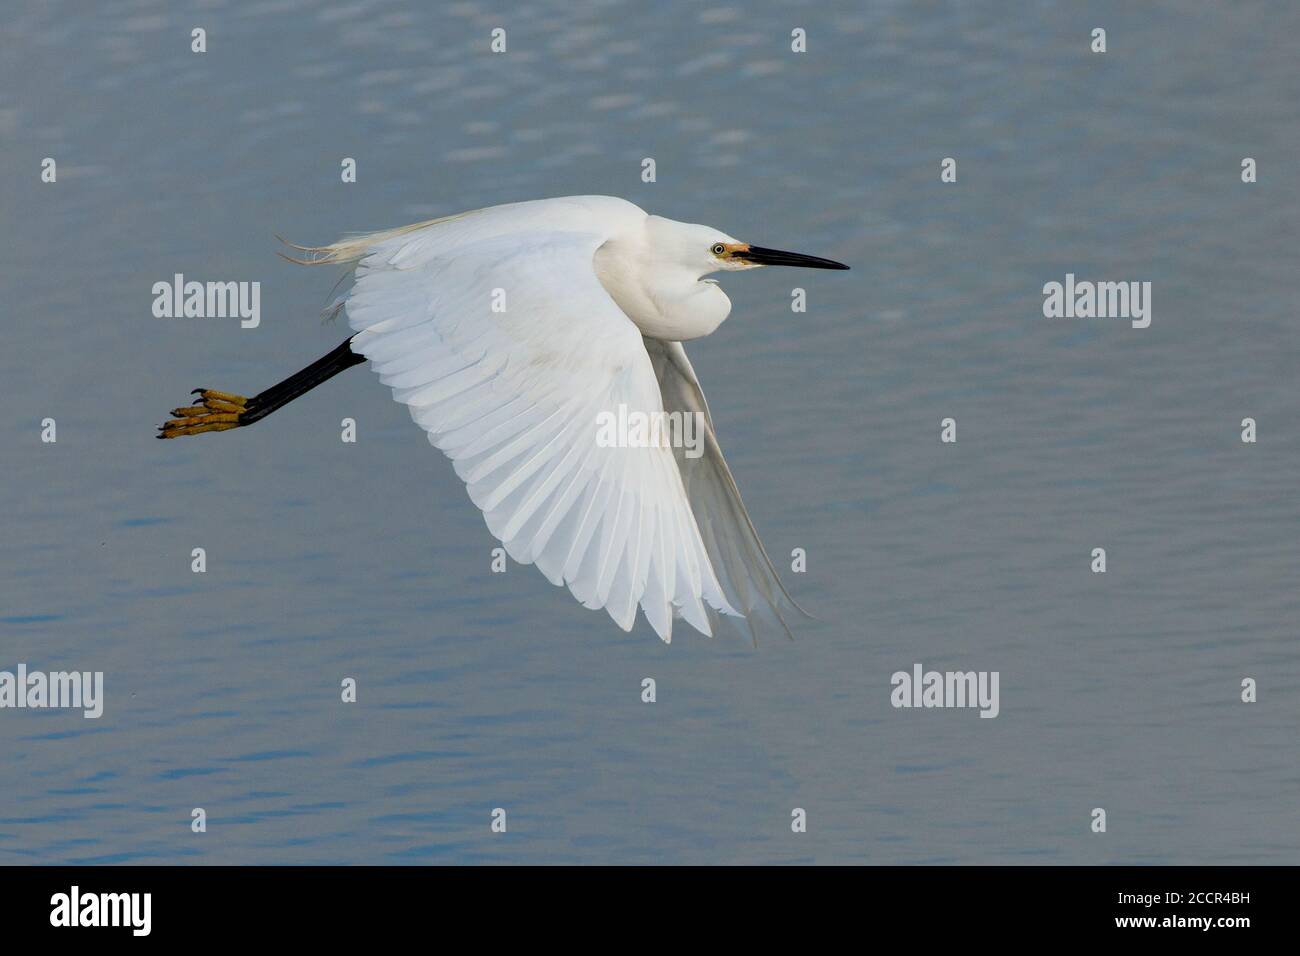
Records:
x=510, y=332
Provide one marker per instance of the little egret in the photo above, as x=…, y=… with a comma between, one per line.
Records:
x=510, y=332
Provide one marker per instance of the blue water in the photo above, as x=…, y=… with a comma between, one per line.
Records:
x=477, y=690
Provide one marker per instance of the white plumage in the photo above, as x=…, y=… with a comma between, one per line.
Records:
x=507, y=331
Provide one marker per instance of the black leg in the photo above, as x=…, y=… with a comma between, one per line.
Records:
x=219, y=411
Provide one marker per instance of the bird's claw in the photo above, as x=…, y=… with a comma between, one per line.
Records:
x=216, y=411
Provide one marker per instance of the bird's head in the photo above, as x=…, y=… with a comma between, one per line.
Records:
x=703, y=250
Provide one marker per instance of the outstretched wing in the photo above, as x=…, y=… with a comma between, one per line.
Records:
x=749, y=581
x=507, y=349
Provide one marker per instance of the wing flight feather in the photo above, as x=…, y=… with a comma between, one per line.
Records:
x=506, y=349
x=748, y=578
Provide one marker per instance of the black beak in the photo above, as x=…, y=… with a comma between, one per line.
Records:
x=775, y=257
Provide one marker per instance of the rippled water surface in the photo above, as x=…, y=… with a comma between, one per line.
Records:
x=476, y=690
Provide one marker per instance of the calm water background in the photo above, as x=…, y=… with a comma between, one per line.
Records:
x=477, y=690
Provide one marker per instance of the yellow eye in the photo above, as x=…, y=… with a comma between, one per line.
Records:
x=718, y=249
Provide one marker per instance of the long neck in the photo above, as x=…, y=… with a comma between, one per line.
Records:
x=664, y=301
x=691, y=309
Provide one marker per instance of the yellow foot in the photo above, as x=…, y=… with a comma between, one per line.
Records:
x=226, y=398
x=216, y=412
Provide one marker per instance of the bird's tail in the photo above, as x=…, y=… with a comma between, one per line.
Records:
x=351, y=248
